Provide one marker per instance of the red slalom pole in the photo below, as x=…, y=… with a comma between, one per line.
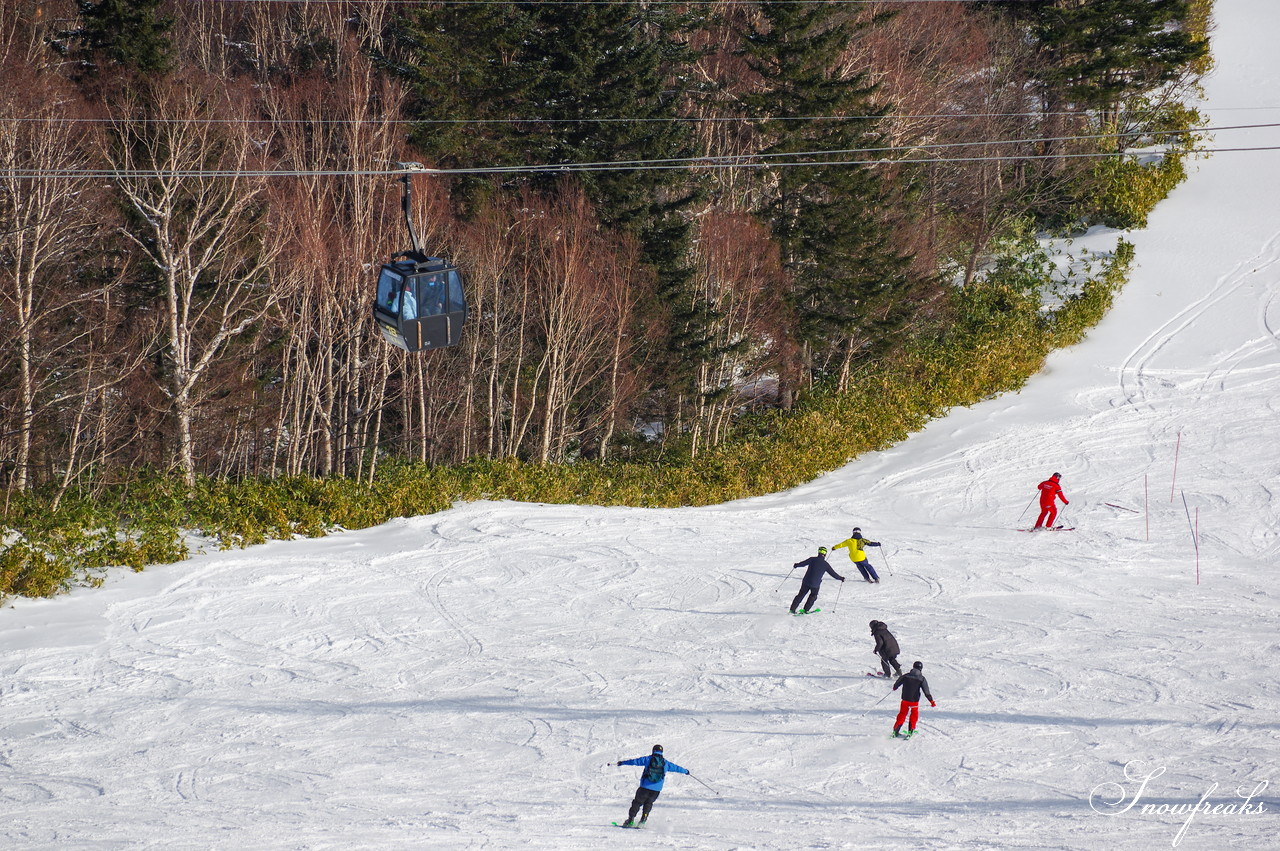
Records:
x=1174, y=483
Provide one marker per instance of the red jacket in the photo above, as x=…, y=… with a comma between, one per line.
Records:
x=1049, y=489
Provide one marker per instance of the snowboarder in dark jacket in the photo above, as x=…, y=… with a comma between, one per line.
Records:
x=815, y=569
x=886, y=647
x=656, y=767
x=913, y=683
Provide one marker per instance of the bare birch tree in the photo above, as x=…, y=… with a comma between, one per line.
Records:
x=46, y=217
x=183, y=159
x=741, y=277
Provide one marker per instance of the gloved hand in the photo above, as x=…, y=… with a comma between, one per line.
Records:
x=1066, y=502
x=618, y=763
x=931, y=703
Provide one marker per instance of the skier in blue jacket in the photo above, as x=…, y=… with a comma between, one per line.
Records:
x=655, y=771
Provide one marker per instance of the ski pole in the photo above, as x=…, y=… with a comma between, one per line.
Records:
x=704, y=784
x=1024, y=511
x=784, y=579
x=874, y=705
x=837, y=602
x=885, y=553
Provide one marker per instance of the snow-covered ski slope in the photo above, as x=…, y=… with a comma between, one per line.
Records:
x=468, y=679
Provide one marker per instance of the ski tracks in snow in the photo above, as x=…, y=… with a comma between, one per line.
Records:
x=1138, y=377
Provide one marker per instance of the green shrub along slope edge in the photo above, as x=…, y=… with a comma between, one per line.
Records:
x=1000, y=337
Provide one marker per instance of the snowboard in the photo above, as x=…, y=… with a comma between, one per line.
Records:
x=810, y=612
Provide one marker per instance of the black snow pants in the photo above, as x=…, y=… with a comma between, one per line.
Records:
x=813, y=595
x=644, y=798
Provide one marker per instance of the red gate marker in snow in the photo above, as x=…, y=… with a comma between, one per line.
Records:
x=1174, y=483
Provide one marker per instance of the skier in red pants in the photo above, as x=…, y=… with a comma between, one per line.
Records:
x=1050, y=492
x=912, y=682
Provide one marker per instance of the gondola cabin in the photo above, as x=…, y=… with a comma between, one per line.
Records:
x=420, y=303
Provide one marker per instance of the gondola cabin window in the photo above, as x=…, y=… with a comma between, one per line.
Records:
x=390, y=286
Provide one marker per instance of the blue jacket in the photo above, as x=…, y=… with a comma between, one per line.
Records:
x=655, y=785
x=817, y=567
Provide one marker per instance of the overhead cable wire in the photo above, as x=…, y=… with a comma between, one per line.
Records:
x=810, y=163
x=62, y=119
x=736, y=160
x=119, y=174
x=714, y=160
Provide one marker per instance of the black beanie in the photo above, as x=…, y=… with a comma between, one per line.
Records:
x=918, y=666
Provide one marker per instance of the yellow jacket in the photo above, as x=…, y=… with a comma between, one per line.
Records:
x=855, y=548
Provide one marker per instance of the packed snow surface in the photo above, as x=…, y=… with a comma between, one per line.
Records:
x=468, y=679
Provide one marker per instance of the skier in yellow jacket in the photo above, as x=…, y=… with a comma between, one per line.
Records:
x=856, y=544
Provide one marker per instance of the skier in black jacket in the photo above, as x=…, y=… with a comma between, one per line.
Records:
x=912, y=682
x=817, y=567
x=886, y=648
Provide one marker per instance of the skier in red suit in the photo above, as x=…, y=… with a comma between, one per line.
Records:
x=1050, y=492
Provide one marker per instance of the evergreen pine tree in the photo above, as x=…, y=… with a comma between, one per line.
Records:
x=1097, y=54
x=498, y=84
x=127, y=33
x=1103, y=51
x=464, y=67
x=826, y=218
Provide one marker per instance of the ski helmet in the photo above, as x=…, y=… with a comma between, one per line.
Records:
x=657, y=748
x=1057, y=475
x=857, y=530
x=918, y=666
x=822, y=551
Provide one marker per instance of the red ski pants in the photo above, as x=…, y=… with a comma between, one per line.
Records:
x=908, y=707
x=1047, y=515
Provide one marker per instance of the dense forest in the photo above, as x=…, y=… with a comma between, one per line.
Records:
x=669, y=215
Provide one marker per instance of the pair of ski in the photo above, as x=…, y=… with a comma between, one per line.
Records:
x=1050, y=529
x=903, y=736
x=635, y=826
x=808, y=612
